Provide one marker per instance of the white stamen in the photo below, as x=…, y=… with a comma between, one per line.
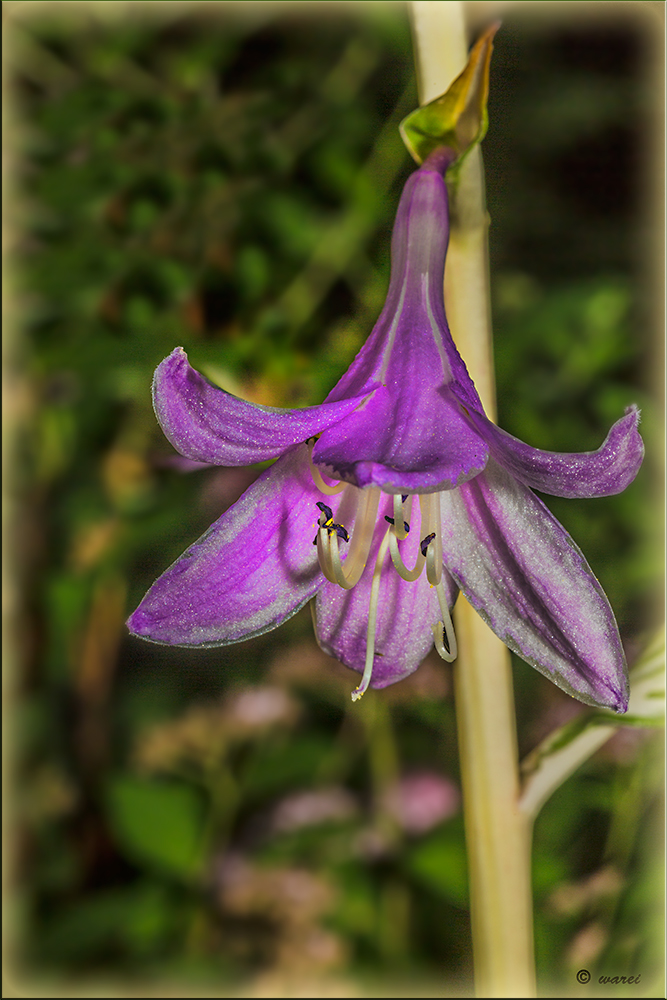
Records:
x=399, y=519
x=409, y=575
x=430, y=505
x=348, y=574
x=430, y=525
x=446, y=625
x=372, y=619
x=323, y=554
x=345, y=574
x=317, y=478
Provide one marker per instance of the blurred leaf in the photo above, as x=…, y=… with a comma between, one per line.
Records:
x=439, y=862
x=273, y=767
x=139, y=918
x=159, y=823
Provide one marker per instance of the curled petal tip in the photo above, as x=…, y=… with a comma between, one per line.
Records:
x=612, y=694
x=206, y=424
x=604, y=472
x=138, y=625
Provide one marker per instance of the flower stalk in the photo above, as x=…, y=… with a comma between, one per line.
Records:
x=497, y=833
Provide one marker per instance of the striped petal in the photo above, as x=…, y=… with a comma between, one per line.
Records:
x=253, y=569
x=525, y=576
x=206, y=424
x=600, y=473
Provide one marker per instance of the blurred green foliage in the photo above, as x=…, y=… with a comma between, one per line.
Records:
x=226, y=179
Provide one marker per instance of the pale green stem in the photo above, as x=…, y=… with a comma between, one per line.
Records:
x=564, y=750
x=497, y=832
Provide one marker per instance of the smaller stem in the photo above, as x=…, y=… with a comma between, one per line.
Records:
x=558, y=766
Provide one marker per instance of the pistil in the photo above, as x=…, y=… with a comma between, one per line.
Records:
x=372, y=619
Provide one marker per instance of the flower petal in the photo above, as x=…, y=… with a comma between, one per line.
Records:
x=409, y=437
x=412, y=327
x=525, y=576
x=207, y=424
x=404, y=440
x=406, y=612
x=254, y=568
x=598, y=473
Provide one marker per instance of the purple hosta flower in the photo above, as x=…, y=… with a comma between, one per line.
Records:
x=411, y=493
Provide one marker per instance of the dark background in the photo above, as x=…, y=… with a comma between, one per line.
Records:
x=225, y=178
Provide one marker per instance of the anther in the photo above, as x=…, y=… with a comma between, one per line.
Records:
x=329, y=524
x=347, y=574
x=425, y=542
x=406, y=526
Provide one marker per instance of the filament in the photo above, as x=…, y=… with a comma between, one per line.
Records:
x=317, y=477
x=348, y=574
x=409, y=575
x=430, y=505
x=401, y=523
x=372, y=619
x=445, y=627
x=323, y=554
x=427, y=507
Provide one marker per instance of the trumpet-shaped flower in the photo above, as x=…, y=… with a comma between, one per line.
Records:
x=411, y=494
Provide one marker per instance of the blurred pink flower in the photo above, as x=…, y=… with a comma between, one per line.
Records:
x=262, y=706
x=311, y=808
x=418, y=802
